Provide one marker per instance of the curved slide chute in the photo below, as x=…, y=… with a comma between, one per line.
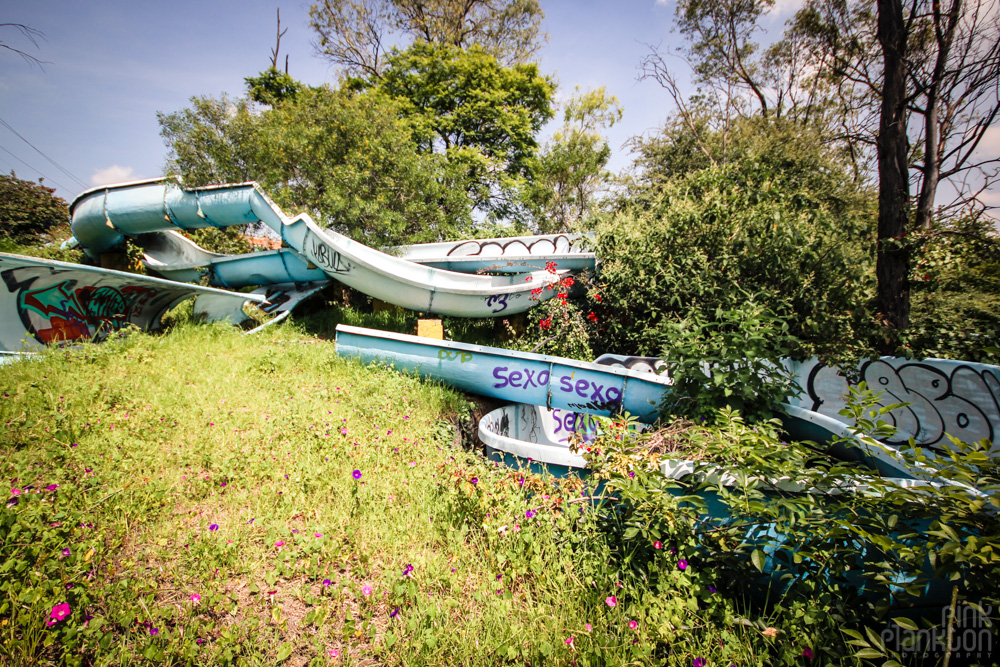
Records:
x=101, y=217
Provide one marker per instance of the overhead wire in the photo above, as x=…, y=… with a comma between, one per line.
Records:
x=52, y=180
x=39, y=151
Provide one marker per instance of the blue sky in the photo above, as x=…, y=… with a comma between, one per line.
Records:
x=113, y=65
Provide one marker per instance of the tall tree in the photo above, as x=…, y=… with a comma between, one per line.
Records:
x=358, y=35
x=481, y=116
x=571, y=168
x=909, y=89
x=348, y=158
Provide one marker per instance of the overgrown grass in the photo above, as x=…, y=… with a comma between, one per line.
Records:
x=204, y=497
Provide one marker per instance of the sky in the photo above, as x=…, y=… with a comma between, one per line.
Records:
x=87, y=116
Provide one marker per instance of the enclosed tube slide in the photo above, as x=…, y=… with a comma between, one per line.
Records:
x=101, y=217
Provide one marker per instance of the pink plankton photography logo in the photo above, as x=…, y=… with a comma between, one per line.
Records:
x=968, y=634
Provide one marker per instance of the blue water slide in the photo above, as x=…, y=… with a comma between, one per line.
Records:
x=101, y=217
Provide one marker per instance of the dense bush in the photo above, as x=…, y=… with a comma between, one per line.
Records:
x=29, y=211
x=779, y=221
x=955, y=283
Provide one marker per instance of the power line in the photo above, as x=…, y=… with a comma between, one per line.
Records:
x=37, y=150
x=33, y=169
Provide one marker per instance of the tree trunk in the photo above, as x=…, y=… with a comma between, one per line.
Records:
x=893, y=257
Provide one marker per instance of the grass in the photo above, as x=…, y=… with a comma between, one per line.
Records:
x=204, y=497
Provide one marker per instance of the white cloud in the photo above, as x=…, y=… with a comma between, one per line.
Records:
x=112, y=174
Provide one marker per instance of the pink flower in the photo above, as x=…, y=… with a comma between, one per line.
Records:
x=808, y=653
x=611, y=600
x=279, y=544
x=588, y=627
x=58, y=613
x=657, y=545
x=570, y=641
x=15, y=492
x=632, y=625
x=333, y=653
x=682, y=564
x=366, y=591
x=195, y=597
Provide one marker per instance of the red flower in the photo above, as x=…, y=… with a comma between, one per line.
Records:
x=550, y=267
x=592, y=317
x=597, y=297
x=546, y=323
x=561, y=295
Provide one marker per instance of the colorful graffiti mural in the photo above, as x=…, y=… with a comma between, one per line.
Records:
x=52, y=302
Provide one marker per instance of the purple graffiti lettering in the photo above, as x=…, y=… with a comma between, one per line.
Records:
x=596, y=396
x=514, y=378
x=566, y=384
x=498, y=374
x=581, y=388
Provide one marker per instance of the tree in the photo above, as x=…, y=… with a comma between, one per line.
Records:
x=215, y=140
x=479, y=115
x=345, y=157
x=571, y=168
x=928, y=73
x=29, y=211
x=358, y=35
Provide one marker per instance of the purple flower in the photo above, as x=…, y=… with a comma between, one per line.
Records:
x=529, y=514
x=394, y=613
x=65, y=552
x=407, y=570
x=474, y=480
x=711, y=589
x=327, y=582
x=682, y=564
x=154, y=631
x=356, y=474
x=698, y=662
x=214, y=527
x=808, y=653
x=51, y=487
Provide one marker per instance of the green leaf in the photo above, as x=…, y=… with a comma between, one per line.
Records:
x=284, y=651
x=757, y=558
x=906, y=623
x=869, y=653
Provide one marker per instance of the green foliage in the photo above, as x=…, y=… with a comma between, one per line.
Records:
x=346, y=158
x=828, y=552
x=29, y=212
x=955, y=283
x=213, y=141
x=483, y=117
x=733, y=359
x=272, y=87
x=570, y=174
x=349, y=159
x=781, y=222
x=226, y=240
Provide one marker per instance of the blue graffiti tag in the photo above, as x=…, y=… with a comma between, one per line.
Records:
x=497, y=299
